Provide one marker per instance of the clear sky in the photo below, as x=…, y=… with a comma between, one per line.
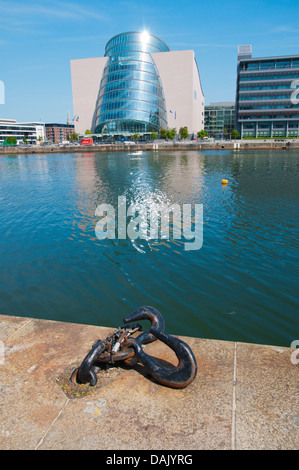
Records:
x=39, y=38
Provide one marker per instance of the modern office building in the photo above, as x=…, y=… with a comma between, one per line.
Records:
x=31, y=131
x=138, y=86
x=57, y=133
x=220, y=119
x=40, y=130
x=267, y=103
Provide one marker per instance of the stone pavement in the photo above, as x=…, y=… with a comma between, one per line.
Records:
x=244, y=396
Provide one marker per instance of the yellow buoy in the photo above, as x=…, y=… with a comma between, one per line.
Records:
x=224, y=181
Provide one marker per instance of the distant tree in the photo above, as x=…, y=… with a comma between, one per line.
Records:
x=135, y=136
x=73, y=136
x=170, y=134
x=11, y=140
x=184, y=132
x=225, y=132
x=88, y=132
x=163, y=133
x=235, y=134
x=201, y=134
x=24, y=140
x=154, y=135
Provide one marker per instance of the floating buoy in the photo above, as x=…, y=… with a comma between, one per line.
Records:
x=224, y=181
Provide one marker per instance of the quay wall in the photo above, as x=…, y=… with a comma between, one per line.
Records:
x=244, y=396
x=159, y=146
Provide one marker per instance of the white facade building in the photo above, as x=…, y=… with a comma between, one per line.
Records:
x=32, y=131
x=39, y=128
x=86, y=79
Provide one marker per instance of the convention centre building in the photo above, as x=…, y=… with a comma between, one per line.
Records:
x=139, y=86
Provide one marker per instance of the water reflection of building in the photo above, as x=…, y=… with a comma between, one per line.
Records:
x=177, y=176
x=85, y=172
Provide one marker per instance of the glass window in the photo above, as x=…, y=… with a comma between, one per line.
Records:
x=258, y=77
x=285, y=64
x=267, y=65
x=253, y=66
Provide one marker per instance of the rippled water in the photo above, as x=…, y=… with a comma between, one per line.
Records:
x=241, y=285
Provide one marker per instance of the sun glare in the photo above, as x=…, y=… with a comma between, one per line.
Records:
x=144, y=36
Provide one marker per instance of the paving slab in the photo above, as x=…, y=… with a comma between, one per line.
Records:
x=244, y=396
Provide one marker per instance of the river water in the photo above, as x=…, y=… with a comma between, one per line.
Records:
x=240, y=285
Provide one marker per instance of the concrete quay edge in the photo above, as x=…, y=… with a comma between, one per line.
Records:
x=244, y=397
x=160, y=146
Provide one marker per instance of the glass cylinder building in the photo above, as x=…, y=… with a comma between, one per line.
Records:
x=131, y=97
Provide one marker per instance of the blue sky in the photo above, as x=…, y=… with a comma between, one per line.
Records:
x=39, y=38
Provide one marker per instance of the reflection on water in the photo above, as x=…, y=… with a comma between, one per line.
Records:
x=241, y=285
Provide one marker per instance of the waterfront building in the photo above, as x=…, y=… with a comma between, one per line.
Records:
x=139, y=86
x=220, y=119
x=57, y=133
x=39, y=129
x=267, y=103
x=31, y=131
